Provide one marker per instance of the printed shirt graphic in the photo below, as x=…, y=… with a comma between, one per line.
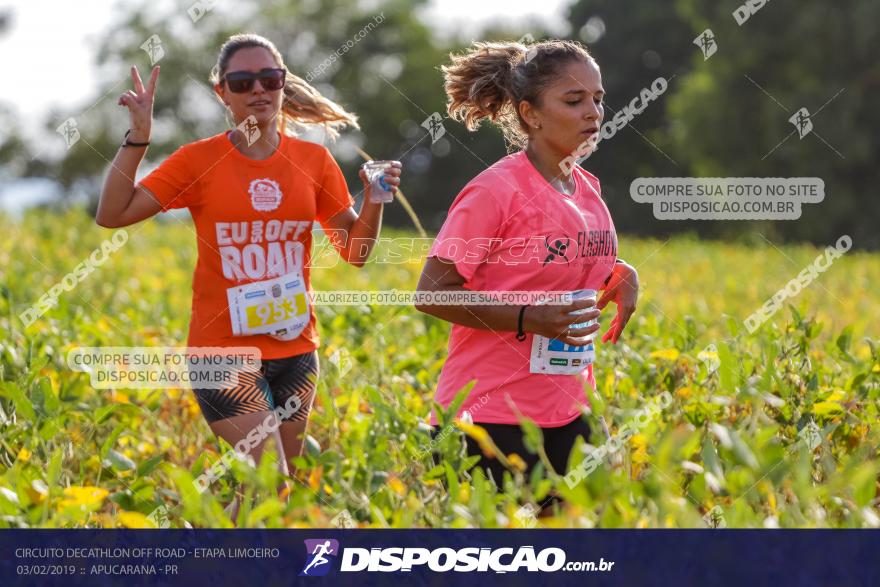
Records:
x=510, y=230
x=253, y=221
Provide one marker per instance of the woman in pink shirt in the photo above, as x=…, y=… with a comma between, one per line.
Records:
x=533, y=221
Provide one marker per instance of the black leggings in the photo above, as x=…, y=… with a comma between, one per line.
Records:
x=274, y=386
x=558, y=443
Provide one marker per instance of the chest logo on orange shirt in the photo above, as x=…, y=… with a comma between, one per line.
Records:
x=265, y=194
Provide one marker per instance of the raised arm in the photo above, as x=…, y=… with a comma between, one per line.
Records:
x=122, y=203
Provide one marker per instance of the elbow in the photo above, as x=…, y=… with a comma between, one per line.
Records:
x=357, y=258
x=421, y=304
x=428, y=309
x=105, y=222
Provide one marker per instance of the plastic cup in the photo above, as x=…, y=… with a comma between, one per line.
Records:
x=380, y=192
x=581, y=294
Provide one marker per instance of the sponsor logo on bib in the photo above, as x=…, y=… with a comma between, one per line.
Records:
x=265, y=194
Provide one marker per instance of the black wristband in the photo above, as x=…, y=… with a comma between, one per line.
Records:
x=520, y=335
x=128, y=143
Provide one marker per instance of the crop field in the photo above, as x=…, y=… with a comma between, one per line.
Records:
x=775, y=428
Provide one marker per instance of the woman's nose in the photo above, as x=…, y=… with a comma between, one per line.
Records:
x=594, y=112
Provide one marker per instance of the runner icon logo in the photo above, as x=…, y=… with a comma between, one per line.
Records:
x=557, y=248
x=318, y=551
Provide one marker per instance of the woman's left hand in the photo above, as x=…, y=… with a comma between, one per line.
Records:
x=391, y=177
x=623, y=290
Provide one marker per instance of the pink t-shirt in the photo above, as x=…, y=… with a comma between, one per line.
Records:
x=510, y=230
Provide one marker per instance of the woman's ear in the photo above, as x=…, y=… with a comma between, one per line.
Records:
x=528, y=114
x=221, y=93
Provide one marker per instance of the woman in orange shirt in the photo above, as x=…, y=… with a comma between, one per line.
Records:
x=254, y=193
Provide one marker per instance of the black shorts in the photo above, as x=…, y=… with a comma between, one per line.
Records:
x=288, y=384
x=558, y=443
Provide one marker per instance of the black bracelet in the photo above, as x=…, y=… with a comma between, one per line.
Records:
x=520, y=335
x=128, y=143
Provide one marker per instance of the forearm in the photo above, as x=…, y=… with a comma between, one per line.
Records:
x=363, y=233
x=118, y=187
x=483, y=317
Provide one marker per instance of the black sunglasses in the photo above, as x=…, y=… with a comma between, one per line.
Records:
x=243, y=81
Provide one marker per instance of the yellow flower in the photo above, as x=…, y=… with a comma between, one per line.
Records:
x=192, y=406
x=667, y=354
x=517, y=461
x=134, y=520
x=24, y=454
x=640, y=448
x=75, y=436
x=87, y=496
x=146, y=448
x=315, y=478
x=397, y=485
x=479, y=434
x=118, y=397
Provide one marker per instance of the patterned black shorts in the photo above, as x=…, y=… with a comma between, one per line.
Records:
x=288, y=384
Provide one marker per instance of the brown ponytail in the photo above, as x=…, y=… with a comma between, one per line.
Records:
x=489, y=80
x=302, y=103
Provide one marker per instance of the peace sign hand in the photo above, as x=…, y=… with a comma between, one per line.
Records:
x=140, y=105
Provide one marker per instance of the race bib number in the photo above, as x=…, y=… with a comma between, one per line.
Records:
x=278, y=307
x=554, y=357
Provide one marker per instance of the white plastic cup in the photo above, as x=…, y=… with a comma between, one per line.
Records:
x=380, y=192
x=581, y=294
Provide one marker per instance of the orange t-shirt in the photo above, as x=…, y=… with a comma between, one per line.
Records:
x=249, y=216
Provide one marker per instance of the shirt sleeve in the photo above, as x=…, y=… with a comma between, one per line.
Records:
x=470, y=232
x=173, y=181
x=332, y=193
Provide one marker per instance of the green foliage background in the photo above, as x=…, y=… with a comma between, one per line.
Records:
x=725, y=116
x=73, y=456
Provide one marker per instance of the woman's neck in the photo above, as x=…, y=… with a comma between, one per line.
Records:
x=258, y=142
x=547, y=164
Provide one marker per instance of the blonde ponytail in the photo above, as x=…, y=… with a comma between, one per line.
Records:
x=303, y=104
